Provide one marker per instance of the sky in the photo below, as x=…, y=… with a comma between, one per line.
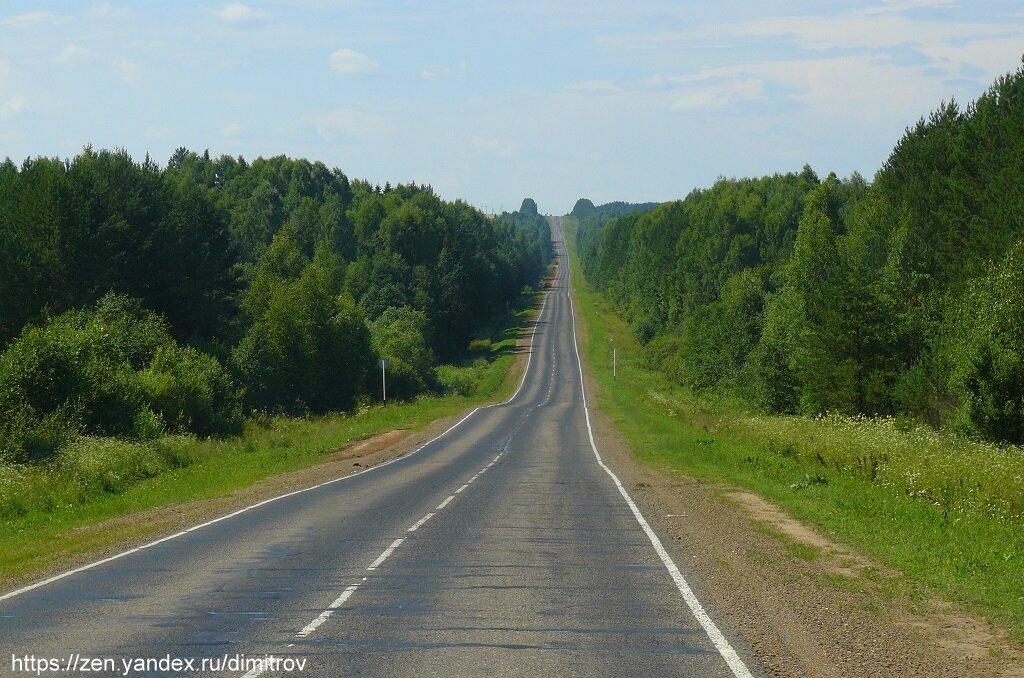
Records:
x=494, y=100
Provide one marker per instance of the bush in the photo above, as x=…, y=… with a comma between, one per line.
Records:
x=399, y=335
x=82, y=373
x=404, y=382
x=74, y=373
x=480, y=346
x=191, y=392
x=461, y=381
x=24, y=437
x=645, y=330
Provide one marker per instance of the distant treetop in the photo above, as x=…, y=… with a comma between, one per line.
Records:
x=529, y=206
x=583, y=208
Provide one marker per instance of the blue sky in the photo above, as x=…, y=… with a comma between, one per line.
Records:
x=491, y=101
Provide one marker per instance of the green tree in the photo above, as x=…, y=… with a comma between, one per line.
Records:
x=986, y=349
x=399, y=336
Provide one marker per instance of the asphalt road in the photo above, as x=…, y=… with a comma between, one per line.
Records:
x=504, y=547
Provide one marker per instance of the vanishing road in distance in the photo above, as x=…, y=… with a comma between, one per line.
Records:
x=503, y=547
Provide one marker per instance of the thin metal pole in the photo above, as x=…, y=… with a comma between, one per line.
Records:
x=383, y=381
x=614, y=363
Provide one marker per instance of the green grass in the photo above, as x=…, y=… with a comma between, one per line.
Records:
x=47, y=511
x=946, y=512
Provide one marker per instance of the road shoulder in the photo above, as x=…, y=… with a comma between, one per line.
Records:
x=803, y=604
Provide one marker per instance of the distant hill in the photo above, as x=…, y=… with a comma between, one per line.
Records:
x=585, y=208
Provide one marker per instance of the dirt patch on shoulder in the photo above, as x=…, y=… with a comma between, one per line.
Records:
x=832, y=556
x=367, y=447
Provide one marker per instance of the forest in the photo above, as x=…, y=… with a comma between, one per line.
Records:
x=139, y=300
x=900, y=297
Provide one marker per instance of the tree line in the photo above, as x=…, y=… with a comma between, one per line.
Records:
x=138, y=299
x=902, y=296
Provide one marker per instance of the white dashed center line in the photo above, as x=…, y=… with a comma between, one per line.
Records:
x=419, y=523
x=352, y=588
x=387, y=552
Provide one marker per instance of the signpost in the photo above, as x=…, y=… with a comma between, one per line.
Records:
x=383, y=378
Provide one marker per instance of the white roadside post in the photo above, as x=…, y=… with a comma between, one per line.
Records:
x=614, y=363
x=383, y=379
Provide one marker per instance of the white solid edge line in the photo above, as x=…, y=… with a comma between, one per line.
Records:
x=128, y=552
x=529, y=354
x=739, y=669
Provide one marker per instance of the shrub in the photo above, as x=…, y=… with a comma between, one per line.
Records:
x=461, y=381
x=191, y=392
x=110, y=370
x=645, y=330
x=399, y=335
x=480, y=346
x=73, y=372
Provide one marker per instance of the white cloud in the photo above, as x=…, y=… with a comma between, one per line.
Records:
x=892, y=6
x=594, y=86
x=240, y=14
x=32, y=18
x=877, y=31
x=131, y=72
x=157, y=132
x=72, y=54
x=495, y=147
x=840, y=62
x=831, y=88
x=868, y=32
x=443, y=72
x=350, y=62
x=720, y=95
x=105, y=10
x=347, y=123
x=232, y=130
x=11, y=107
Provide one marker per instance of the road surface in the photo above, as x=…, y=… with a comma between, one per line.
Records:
x=504, y=547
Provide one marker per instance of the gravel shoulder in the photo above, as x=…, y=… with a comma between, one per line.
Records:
x=802, y=604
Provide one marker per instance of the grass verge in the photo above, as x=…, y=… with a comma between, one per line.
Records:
x=945, y=512
x=46, y=511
